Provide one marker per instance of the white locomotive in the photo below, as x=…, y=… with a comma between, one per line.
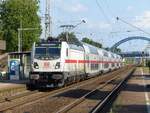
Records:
x=56, y=63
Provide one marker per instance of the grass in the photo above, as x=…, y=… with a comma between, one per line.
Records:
x=146, y=70
x=10, y=91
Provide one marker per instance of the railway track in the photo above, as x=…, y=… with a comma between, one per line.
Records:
x=105, y=104
x=77, y=102
x=24, y=100
x=10, y=98
x=85, y=105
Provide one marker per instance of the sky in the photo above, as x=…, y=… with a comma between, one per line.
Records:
x=100, y=16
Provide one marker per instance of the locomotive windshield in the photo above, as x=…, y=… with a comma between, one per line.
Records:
x=48, y=51
x=54, y=52
x=40, y=51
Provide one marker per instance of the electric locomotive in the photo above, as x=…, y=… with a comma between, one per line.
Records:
x=55, y=63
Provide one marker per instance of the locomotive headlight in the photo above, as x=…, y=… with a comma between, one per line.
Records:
x=36, y=66
x=57, y=66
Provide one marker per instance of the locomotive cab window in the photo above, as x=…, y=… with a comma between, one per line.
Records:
x=54, y=52
x=50, y=51
x=40, y=51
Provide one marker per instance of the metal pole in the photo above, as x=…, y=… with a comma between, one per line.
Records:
x=47, y=20
x=21, y=69
x=67, y=36
x=21, y=36
x=19, y=41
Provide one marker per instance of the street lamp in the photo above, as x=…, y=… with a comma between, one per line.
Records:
x=83, y=21
x=68, y=28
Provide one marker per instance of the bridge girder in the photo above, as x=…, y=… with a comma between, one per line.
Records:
x=128, y=39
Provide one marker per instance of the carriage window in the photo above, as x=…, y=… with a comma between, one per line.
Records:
x=76, y=47
x=112, y=64
x=93, y=50
x=106, y=65
x=54, y=51
x=105, y=54
x=112, y=56
x=94, y=66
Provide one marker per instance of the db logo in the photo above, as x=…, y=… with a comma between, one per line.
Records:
x=46, y=64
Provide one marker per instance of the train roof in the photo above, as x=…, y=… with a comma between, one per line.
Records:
x=76, y=47
x=90, y=49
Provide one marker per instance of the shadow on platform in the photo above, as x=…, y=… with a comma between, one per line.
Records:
x=139, y=76
x=136, y=88
x=130, y=109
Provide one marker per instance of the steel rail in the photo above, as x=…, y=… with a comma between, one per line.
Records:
x=102, y=105
x=56, y=92
x=81, y=99
x=10, y=98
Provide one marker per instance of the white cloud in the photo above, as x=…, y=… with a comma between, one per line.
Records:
x=78, y=8
x=72, y=7
x=130, y=8
x=143, y=20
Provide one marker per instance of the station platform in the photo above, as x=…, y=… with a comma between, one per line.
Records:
x=8, y=84
x=135, y=97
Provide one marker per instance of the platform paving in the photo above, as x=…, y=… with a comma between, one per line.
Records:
x=11, y=84
x=135, y=97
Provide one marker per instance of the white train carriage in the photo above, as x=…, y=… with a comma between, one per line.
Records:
x=116, y=61
x=74, y=62
x=120, y=61
x=110, y=60
x=91, y=60
x=113, y=61
x=106, y=61
x=101, y=59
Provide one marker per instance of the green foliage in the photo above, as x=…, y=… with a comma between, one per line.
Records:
x=148, y=63
x=71, y=37
x=17, y=13
x=91, y=42
x=107, y=48
x=117, y=50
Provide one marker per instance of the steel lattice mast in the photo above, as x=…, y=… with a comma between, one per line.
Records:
x=47, y=20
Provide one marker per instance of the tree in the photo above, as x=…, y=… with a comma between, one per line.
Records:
x=107, y=48
x=16, y=14
x=71, y=37
x=91, y=42
x=148, y=64
x=117, y=50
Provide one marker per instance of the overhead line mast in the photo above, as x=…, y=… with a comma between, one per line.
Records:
x=48, y=21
